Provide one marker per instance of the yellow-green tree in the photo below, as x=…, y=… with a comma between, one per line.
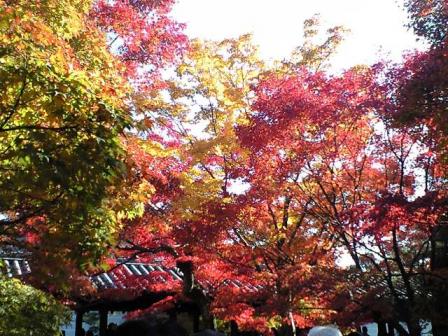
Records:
x=25, y=310
x=61, y=113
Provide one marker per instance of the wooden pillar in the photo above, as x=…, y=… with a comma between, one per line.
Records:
x=382, y=328
x=103, y=322
x=78, y=323
x=378, y=319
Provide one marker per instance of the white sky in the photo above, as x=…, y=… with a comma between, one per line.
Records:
x=377, y=26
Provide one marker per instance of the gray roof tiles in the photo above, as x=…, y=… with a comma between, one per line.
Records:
x=132, y=275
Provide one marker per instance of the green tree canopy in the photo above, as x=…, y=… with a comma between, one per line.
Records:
x=25, y=311
x=61, y=114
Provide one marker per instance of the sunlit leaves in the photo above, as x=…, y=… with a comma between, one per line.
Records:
x=26, y=310
x=62, y=109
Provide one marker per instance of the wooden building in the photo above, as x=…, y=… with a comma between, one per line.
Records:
x=134, y=285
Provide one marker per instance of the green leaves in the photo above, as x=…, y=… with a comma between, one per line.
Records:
x=28, y=311
x=62, y=111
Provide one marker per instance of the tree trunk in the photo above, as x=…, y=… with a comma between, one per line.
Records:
x=293, y=324
x=234, y=328
x=78, y=323
x=196, y=321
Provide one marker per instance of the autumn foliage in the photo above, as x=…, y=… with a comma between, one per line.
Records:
x=294, y=169
x=122, y=139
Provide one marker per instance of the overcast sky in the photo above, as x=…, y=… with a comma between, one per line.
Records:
x=377, y=26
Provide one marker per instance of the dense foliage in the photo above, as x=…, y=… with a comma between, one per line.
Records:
x=120, y=139
x=25, y=310
x=66, y=102
x=69, y=73
x=293, y=169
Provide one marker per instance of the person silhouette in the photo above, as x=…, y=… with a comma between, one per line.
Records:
x=170, y=328
x=364, y=331
x=145, y=328
x=135, y=328
x=111, y=329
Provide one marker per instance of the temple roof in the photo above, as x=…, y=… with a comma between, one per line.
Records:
x=142, y=275
x=116, y=278
x=127, y=274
